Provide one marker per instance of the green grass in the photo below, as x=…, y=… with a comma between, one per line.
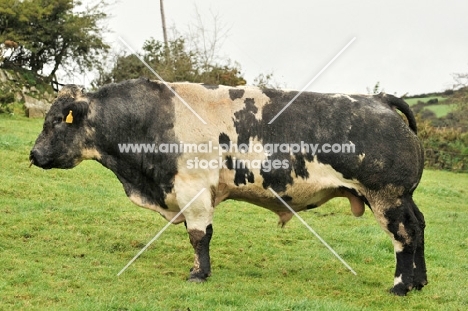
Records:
x=441, y=110
x=65, y=234
x=414, y=101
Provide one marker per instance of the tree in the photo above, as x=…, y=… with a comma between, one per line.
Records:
x=461, y=80
x=49, y=35
x=173, y=63
x=375, y=90
x=192, y=57
x=205, y=40
x=268, y=81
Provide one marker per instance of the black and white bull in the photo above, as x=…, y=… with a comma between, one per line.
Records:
x=381, y=170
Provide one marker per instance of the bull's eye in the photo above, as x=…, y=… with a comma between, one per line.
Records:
x=57, y=121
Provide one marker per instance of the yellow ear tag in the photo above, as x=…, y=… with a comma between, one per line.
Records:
x=69, y=118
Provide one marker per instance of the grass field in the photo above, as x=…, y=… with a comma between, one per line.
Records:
x=414, y=101
x=64, y=235
x=439, y=109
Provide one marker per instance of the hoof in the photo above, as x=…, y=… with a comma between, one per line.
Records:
x=399, y=290
x=418, y=286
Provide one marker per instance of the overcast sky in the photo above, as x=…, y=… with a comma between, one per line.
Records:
x=408, y=46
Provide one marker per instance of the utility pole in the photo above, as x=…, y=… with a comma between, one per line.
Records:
x=163, y=19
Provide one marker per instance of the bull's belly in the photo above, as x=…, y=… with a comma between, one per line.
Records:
x=322, y=184
x=298, y=197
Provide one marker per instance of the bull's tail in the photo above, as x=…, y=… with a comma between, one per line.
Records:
x=402, y=106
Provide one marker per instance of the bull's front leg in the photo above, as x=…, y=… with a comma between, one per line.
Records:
x=200, y=241
x=198, y=221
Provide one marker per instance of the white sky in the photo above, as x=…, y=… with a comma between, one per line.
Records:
x=409, y=46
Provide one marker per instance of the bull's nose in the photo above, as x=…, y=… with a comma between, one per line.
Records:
x=34, y=157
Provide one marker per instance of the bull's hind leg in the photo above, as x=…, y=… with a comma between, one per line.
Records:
x=405, y=226
x=420, y=276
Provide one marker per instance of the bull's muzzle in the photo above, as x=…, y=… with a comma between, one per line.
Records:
x=36, y=158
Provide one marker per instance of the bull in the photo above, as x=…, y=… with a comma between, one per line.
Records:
x=381, y=171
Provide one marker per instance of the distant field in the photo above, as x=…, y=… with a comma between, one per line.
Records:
x=65, y=234
x=413, y=101
x=440, y=109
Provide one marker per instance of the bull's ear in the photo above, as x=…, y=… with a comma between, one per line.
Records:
x=75, y=112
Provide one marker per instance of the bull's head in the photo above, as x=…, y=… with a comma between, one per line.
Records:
x=63, y=141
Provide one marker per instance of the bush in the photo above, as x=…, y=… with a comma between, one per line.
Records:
x=445, y=147
x=7, y=97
